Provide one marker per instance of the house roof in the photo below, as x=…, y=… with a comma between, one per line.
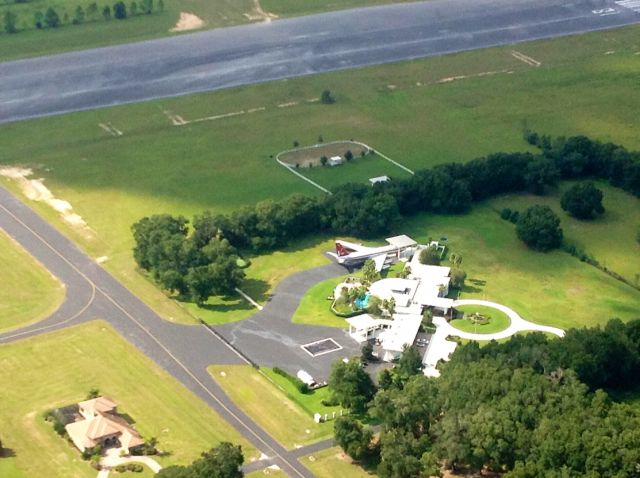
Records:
x=402, y=333
x=366, y=322
x=103, y=423
x=99, y=404
x=401, y=241
x=88, y=433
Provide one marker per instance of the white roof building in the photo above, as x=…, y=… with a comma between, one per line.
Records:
x=335, y=160
x=426, y=286
x=379, y=179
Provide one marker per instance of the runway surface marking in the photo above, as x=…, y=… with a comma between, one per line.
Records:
x=630, y=4
x=525, y=59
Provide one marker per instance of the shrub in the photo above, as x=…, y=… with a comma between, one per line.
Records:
x=120, y=10
x=348, y=155
x=430, y=256
x=300, y=385
x=296, y=143
x=135, y=467
x=93, y=393
x=323, y=160
x=330, y=402
x=326, y=98
x=121, y=468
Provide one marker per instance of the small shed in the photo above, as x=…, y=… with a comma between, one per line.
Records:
x=335, y=161
x=379, y=179
x=306, y=378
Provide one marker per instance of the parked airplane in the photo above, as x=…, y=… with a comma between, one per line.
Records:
x=351, y=254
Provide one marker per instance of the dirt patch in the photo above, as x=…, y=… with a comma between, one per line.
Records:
x=311, y=156
x=257, y=14
x=187, y=21
x=35, y=190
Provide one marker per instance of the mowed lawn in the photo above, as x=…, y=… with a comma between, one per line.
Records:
x=270, y=407
x=305, y=7
x=548, y=288
x=59, y=369
x=498, y=320
x=270, y=472
x=29, y=292
x=610, y=238
x=315, y=308
x=332, y=463
x=226, y=164
x=358, y=170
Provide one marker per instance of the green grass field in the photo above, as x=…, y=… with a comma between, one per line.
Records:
x=332, y=463
x=267, y=472
x=58, y=369
x=498, y=320
x=314, y=307
x=610, y=238
x=225, y=164
x=305, y=7
x=552, y=289
x=32, y=42
x=358, y=170
x=33, y=293
x=283, y=418
x=310, y=402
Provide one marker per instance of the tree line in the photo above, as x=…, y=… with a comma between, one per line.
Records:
x=525, y=408
x=51, y=18
x=365, y=211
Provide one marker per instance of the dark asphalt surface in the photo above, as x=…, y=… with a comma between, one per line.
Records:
x=183, y=351
x=269, y=338
x=287, y=48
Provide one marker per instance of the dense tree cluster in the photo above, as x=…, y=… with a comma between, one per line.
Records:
x=582, y=201
x=185, y=264
x=526, y=408
x=52, y=19
x=223, y=461
x=365, y=211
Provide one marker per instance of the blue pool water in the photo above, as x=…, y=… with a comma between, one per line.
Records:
x=362, y=302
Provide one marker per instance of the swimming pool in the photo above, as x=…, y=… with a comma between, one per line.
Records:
x=362, y=302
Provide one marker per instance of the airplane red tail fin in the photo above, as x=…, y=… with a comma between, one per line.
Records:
x=341, y=250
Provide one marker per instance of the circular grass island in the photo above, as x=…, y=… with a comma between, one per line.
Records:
x=480, y=319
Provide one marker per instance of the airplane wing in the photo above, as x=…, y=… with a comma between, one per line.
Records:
x=379, y=261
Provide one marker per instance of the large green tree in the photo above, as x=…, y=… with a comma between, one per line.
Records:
x=352, y=437
x=583, y=201
x=539, y=228
x=351, y=385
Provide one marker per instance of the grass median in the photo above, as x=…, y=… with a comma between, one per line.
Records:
x=30, y=292
x=58, y=369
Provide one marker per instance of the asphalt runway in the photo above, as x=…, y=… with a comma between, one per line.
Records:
x=293, y=47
